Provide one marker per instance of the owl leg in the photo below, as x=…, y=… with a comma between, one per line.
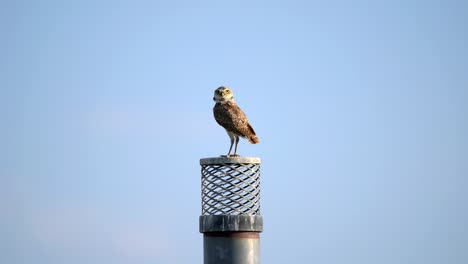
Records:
x=232, y=143
x=237, y=142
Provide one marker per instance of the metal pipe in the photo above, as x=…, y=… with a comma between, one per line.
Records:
x=231, y=222
x=231, y=248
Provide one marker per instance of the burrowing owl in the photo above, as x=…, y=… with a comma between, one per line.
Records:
x=232, y=118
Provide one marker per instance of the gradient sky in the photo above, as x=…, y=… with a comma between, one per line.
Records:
x=361, y=108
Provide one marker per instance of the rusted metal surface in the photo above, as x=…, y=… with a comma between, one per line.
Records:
x=231, y=223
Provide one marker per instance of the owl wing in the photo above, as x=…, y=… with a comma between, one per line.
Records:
x=232, y=118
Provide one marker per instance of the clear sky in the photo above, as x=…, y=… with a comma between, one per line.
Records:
x=361, y=108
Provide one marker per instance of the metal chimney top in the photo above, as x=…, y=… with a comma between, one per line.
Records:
x=230, y=218
x=230, y=160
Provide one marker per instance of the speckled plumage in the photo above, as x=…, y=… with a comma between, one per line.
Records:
x=228, y=115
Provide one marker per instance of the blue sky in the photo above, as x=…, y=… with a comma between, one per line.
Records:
x=360, y=107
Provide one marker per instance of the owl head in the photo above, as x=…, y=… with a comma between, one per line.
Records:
x=223, y=94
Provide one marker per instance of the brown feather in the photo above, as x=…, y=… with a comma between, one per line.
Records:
x=253, y=139
x=233, y=119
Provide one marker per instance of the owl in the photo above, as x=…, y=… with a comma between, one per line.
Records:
x=232, y=118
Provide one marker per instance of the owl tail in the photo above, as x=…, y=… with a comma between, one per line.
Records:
x=253, y=139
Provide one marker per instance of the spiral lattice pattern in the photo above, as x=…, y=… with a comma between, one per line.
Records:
x=230, y=189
